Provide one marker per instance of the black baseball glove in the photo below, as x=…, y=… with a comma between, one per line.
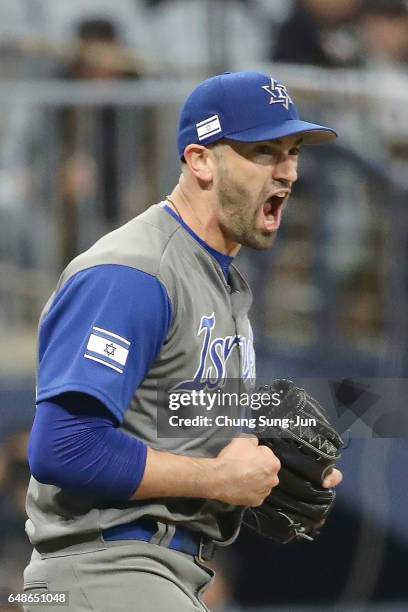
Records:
x=308, y=447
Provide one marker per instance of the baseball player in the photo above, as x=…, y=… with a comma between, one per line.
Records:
x=121, y=519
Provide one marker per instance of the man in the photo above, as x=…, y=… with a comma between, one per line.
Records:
x=320, y=33
x=384, y=33
x=119, y=517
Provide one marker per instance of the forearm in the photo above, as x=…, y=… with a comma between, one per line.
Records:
x=170, y=475
x=242, y=474
x=82, y=450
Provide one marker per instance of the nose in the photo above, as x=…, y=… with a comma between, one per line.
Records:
x=286, y=170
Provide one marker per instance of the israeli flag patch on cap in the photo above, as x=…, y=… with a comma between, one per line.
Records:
x=107, y=348
x=208, y=127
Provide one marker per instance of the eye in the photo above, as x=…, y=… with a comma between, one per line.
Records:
x=294, y=151
x=265, y=149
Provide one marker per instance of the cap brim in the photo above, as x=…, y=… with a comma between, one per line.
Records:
x=311, y=133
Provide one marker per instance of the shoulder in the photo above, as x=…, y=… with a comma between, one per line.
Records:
x=140, y=244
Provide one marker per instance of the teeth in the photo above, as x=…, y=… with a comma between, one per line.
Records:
x=280, y=194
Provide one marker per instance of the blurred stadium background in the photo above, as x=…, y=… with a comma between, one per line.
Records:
x=89, y=98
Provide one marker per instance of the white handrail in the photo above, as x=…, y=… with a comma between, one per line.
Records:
x=351, y=85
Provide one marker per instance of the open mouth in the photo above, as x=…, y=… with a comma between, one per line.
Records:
x=272, y=211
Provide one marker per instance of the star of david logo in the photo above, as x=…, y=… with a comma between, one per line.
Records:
x=109, y=349
x=279, y=93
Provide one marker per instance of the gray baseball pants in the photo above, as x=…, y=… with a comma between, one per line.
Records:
x=121, y=576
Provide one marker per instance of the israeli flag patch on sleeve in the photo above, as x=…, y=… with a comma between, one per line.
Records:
x=107, y=348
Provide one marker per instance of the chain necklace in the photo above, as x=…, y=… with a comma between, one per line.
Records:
x=181, y=217
x=174, y=206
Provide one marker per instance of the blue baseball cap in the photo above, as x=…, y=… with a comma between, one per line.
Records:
x=244, y=106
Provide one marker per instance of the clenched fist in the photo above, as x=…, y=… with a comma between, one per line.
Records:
x=245, y=473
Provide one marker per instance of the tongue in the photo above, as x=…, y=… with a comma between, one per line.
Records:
x=267, y=208
x=271, y=219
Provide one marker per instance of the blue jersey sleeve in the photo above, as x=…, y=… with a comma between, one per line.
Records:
x=101, y=334
x=75, y=444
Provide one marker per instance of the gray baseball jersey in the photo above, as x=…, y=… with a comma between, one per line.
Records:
x=209, y=332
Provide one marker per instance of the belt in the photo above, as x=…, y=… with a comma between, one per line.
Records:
x=184, y=539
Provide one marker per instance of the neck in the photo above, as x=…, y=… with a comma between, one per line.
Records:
x=201, y=218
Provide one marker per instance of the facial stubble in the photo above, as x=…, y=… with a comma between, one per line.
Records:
x=238, y=219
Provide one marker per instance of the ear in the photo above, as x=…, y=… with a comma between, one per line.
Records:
x=200, y=162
